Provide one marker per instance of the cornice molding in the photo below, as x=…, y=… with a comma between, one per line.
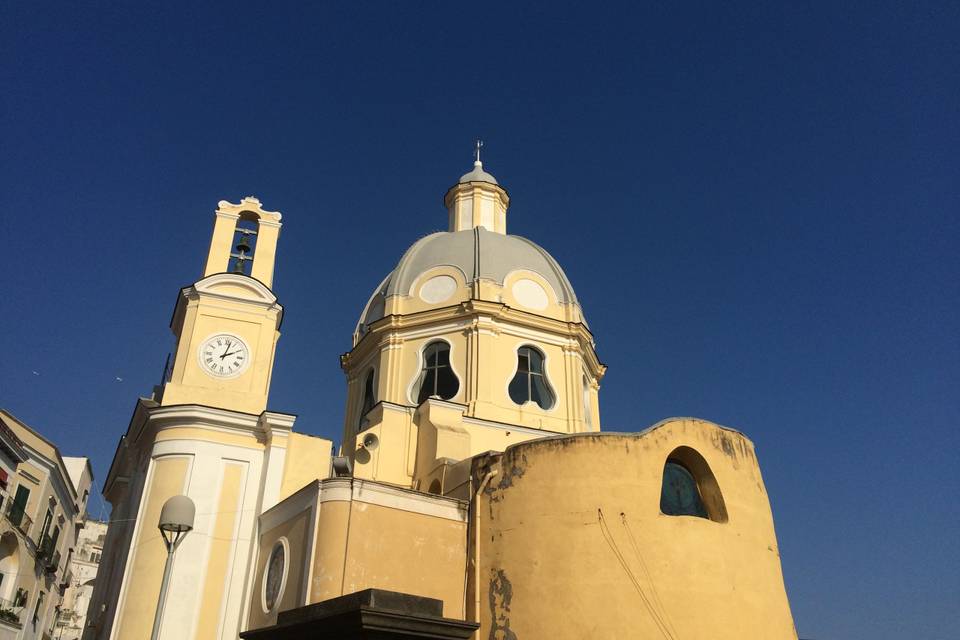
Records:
x=384, y=495
x=160, y=418
x=260, y=294
x=480, y=315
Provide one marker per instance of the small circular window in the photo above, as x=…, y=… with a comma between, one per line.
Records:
x=276, y=575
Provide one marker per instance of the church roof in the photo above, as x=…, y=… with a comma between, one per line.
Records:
x=479, y=254
x=477, y=175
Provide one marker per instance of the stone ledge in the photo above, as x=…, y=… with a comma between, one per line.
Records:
x=369, y=614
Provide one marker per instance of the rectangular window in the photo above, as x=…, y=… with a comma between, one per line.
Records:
x=19, y=505
x=36, y=609
x=47, y=519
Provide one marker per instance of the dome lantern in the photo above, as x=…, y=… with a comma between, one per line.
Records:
x=477, y=200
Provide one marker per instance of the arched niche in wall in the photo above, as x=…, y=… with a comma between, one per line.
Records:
x=9, y=564
x=704, y=499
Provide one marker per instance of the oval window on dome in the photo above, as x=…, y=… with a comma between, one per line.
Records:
x=438, y=289
x=530, y=294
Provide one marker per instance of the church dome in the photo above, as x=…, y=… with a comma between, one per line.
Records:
x=476, y=258
x=476, y=253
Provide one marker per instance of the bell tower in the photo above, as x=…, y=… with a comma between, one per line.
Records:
x=205, y=434
x=251, y=223
x=227, y=324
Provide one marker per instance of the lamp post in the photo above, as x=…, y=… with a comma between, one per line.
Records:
x=176, y=520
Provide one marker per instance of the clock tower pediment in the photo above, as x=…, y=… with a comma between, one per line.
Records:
x=232, y=286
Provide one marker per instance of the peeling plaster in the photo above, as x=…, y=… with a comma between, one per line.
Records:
x=500, y=595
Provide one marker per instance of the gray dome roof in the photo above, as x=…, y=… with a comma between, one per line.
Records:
x=478, y=254
x=478, y=175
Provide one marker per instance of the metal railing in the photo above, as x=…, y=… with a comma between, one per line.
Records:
x=47, y=554
x=18, y=518
x=44, y=546
x=52, y=563
x=10, y=612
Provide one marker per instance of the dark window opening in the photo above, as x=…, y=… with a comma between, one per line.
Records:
x=369, y=399
x=530, y=383
x=19, y=505
x=437, y=377
x=680, y=495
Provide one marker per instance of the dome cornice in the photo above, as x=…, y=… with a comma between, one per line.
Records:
x=492, y=316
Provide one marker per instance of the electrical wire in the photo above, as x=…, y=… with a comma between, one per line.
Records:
x=646, y=572
x=608, y=536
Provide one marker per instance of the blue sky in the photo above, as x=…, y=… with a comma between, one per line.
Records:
x=757, y=205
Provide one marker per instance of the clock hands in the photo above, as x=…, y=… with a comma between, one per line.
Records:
x=225, y=354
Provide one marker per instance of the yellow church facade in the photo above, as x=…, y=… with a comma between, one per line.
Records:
x=475, y=494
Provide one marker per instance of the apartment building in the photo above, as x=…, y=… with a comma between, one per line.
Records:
x=43, y=496
x=84, y=564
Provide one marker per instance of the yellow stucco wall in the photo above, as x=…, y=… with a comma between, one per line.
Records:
x=407, y=552
x=143, y=585
x=221, y=546
x=362, y=546
x=297, y=532
x=573, y=544
x=248, y=440
x=308, y=458
x=328, y=562
x=389, y=549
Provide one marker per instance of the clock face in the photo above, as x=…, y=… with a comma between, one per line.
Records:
x=224, y=355
x=274, y=581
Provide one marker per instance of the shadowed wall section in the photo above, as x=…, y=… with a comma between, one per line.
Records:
x=573, y=543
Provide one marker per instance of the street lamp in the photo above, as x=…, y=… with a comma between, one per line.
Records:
x=176, y=520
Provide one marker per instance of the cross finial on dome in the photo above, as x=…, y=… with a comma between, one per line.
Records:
x=479, y=144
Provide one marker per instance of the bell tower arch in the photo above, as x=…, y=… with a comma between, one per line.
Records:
x=243, y=233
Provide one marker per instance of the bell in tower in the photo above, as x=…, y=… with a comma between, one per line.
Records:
x=245, y=243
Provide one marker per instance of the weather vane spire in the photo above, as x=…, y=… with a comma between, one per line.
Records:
x=479, y=144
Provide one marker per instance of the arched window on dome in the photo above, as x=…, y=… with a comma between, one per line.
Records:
x=530, y=383
x=689, y=487
x=437, y=377
x=369, y=399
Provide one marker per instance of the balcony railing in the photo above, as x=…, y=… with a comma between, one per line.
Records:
x=18, y=517
x=52, y=563
x=10, y=612
x=47, y=554
x=44, y=546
